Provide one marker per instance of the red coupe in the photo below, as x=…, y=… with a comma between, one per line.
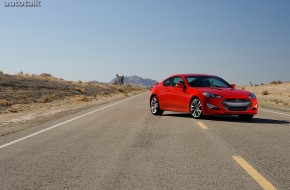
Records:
x=201, y=95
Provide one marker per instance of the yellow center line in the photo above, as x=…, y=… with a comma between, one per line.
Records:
x=254, y=173
x=202, y=125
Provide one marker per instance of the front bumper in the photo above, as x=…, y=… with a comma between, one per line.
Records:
x=230, y=106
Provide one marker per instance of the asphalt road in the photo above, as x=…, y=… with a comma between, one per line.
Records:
x=121, y=145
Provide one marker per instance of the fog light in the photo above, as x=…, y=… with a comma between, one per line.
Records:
x=255, y=107
x=210, y=106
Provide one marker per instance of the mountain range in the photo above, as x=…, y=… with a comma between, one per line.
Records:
x=137, y=81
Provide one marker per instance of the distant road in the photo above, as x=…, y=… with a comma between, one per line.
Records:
x=121, y=145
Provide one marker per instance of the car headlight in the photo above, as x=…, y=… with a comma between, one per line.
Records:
x=252, y=95
x=211, y=95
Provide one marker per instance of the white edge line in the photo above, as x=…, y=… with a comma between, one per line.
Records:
x=275, y=112
x=62, y=123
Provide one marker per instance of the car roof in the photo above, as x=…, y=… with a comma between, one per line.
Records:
x=193, y=75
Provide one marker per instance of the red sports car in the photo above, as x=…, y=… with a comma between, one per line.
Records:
x=201, y=95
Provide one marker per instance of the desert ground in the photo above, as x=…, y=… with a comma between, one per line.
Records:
x=29, y=100
x=272, y=96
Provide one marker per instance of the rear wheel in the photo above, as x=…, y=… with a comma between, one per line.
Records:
x=154, y=106
x=245, y=117
x=196, y=108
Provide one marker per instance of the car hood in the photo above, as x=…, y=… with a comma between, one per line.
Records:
x=227, y=92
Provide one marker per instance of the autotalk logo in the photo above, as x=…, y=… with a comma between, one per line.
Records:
x=23, y=3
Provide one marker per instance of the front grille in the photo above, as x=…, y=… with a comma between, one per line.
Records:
x=237, y=104
x=236, y=100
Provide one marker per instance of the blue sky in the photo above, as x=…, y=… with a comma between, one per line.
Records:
x=239, y=40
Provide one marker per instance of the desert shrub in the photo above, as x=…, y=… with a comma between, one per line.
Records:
x=265, y=92
x=81, y=98
x=276, y=82
x=45, y=75
x=80, y=82
x=277, y=101
x=45, y=99
x=121, y=90
x=81, y=90
x=1, y=72
x=3, y=102
x=20, y=73
x=105, y=93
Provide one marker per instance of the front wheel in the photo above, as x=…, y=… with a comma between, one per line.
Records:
x=154, y=106
x=196, y=108
x=245, y=117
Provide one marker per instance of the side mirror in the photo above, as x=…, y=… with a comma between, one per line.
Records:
x=180, y=85
x=155, y=83
x=233, y=86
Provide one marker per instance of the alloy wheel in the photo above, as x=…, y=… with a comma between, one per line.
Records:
x=196, y=108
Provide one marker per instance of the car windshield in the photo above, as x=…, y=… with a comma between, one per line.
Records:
x=207, y=81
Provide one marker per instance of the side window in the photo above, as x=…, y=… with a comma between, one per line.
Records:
x=167, y=82
x=176, y=80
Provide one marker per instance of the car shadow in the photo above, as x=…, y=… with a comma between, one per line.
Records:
x=187, y=115
x=232, y=118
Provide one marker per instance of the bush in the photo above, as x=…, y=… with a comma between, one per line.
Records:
x=81, y=90
x=3, y=102
x=265, y=92
x=20, y=73
x=45, y=75
x=121, y=90
x=81, y=98
x=276, y=82
x=45, y=99
x=277, y=101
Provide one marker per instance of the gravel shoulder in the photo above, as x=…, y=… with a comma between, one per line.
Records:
x=36, y=113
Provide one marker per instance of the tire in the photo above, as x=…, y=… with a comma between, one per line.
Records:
x=154, y=106
x=196, y=108
x=245, y=117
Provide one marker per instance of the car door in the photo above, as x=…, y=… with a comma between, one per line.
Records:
x=177, y=97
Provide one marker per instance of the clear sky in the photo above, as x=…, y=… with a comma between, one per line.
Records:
x=239, y=40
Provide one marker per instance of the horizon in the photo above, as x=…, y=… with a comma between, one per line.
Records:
x=110, y=81
x=240, y=41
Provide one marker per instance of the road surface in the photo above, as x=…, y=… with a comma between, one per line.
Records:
x=121, y=145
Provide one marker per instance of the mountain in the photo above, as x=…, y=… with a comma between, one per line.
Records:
x=137, y=81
